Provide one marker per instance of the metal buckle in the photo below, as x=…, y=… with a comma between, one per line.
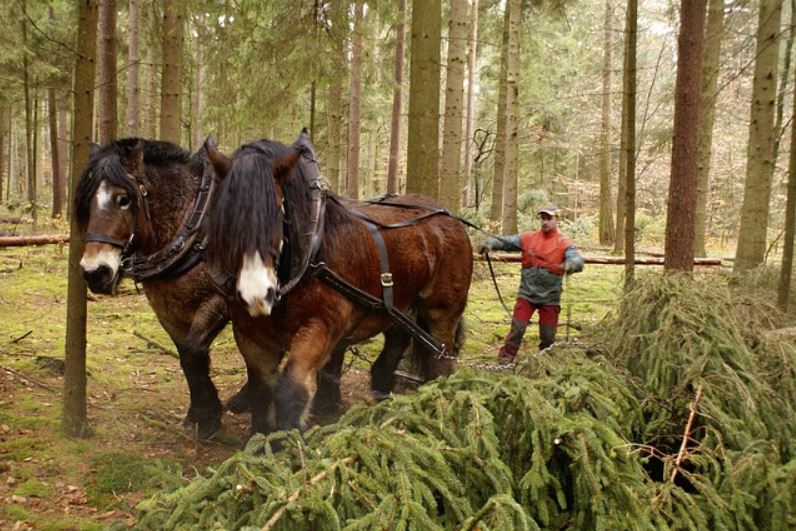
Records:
x=386, y=280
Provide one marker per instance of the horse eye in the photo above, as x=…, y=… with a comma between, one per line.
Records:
x=123, y=202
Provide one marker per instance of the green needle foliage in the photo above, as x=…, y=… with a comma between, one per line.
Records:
x=574, y=439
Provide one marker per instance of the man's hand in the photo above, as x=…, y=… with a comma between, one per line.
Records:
x=485, y=246
x=568, y=266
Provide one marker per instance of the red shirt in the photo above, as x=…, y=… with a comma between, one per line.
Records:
x=544, y=249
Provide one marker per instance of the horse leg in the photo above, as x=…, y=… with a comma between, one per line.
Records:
x=262, y=368
x=194, y=349
x=328, y=401
x=382, y=373
x=309, y=351
x=241, y=402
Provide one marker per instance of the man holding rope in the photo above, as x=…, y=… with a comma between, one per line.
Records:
x=547, y=255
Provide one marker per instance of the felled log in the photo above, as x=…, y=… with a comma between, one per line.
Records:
x=608, y=260
x=33, y=239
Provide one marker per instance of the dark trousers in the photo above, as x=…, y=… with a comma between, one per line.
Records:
x=523, y=310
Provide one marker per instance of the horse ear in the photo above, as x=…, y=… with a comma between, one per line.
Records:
x=135, y=160
x=221, y=163
x=281, y=167
x=93, y=149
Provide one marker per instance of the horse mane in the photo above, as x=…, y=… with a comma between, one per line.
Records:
x=107, y=164
x=246, y=209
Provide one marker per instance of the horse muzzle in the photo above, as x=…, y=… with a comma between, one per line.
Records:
x=100, y=280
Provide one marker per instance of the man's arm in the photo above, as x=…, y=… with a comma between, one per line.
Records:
x=502, y=243
x=573, y=261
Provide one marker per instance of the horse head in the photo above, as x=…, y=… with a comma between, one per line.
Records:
x=249, y=224
x=107, y=203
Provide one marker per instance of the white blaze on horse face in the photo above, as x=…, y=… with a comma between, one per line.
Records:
x=257, y=285
x=104, y=196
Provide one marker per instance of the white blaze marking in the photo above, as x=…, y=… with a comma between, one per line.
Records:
x=104, y=196
x=254, y=281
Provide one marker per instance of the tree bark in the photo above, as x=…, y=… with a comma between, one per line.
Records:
x=3, y=164
x=629, y=133
x=352, y=176
x=334, y=103
x=450, y=180
x=499, y=168
x=63, y=149
x=133, y=72
x=606, y=222
x=760, y=166
x=30, y=164
x=422, y=166
x=171, y=81
x=511, y=171
x=107, y=71
x=621, y=182
x=786, y=271
x=152, y=95
x=683, y=182
x=75, y=420
x=198, y=104
x=710, y=77
x=397, y=93
x=784, y=77
x=58, y=175
x=468, y=196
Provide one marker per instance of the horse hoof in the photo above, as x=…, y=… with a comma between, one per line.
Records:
x=207, y=431
x=240, y=402
x=380, y=396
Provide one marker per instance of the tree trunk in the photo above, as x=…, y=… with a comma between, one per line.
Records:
x=63, y=149
x=629, y=132
x=334, y=100
x=134, y=60
x=499, y=168
x=783, y=292
x=760, y=166
x=152, y=95
x=422, y=165
x=621, y=182
x=710, y=77
x=397, y=92
x=170, y=81
x=107, y=71
x=30, y=165
x=3, y=164
x=75, y=421
x=685, y=143
x=352, y=176
x=511, y=171
x=469, y=194
x=58, y=177
x=198, y=106
x=779, y=130
x=606, y=222
x=450, y=180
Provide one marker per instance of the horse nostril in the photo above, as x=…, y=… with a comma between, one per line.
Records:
x=270, y=296
x=98, y=279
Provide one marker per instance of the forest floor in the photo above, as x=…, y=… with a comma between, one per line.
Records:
x=137, y=396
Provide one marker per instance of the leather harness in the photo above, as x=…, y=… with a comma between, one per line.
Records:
x=181, y=254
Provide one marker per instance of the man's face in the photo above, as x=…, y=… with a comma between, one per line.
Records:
x=548, y=222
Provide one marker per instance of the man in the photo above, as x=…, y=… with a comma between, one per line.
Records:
x=547, y=255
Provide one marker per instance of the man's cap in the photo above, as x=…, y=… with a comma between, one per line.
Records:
x=549, y=209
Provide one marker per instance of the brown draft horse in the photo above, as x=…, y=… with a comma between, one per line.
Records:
x=133, y=201
x=261, y=238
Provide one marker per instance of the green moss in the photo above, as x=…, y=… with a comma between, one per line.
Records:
x=117, y=473
x=34, y=487
x=21, y=448
x=17, y=512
